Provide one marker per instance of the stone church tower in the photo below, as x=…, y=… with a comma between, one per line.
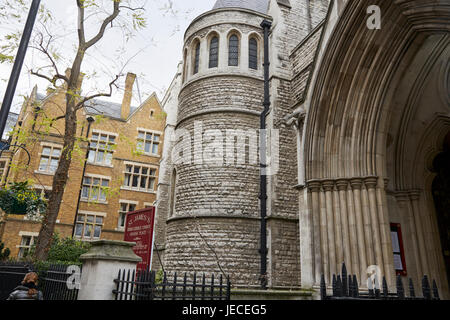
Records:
x=363, y=128
x=208, y=215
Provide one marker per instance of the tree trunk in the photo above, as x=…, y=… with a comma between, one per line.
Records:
x=60, y=178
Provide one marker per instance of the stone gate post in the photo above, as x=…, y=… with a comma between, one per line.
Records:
x=101, y=265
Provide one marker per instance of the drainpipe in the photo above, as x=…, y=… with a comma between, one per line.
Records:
x=90, y=120
x=262, y=153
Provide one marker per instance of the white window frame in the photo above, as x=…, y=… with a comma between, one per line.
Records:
x=132, y=173
x=121, y=212
x=22, y=248
x=97, y=148
x=152, y=141
x=85, y=222
x=91, y=185
x=52, y=147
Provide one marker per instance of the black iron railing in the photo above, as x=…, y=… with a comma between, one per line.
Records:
x=52, y=280
x=143, y=285
x=11, y=275
x=345, y=287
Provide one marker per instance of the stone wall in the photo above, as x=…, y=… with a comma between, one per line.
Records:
x=202, y=244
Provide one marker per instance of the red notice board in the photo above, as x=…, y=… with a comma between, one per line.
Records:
x=139, y=226
x=399, y=251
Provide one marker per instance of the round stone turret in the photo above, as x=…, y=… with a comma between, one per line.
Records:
x=214, y=222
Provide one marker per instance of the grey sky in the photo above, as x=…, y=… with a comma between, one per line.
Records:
x=158, y=49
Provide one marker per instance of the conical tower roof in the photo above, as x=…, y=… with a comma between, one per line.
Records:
x=255, y=5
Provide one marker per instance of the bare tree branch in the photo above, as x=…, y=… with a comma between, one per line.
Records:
x=111, y=84
x=44, y=50
x=105, y=23
x=51, y=80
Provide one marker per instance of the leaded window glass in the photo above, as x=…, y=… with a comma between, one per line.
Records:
x=253, y=54
x=233, y=51
x=88, y=226
x=214, y=52
x=197, y=57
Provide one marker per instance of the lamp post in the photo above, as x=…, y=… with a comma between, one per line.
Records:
x=17, y=67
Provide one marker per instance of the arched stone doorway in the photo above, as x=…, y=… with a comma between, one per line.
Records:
x=441, y=197
x=378, y=113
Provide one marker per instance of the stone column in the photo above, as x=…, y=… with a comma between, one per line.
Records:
x=328, y=187
x=356, y=184
x=414, y=197
x=353, y=232
x=404, y=204
x=338, y=230
x=367, y=227
x=371, y=184
x=314, y=189
x=347, y=240
x=385, y=230
x=324, y=236
x=306, y=226
x=101, y=265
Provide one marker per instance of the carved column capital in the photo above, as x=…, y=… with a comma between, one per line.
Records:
x=356, y=183
x=313, y=185
x=415, y=194
x=328, y=185
x=402, y=195
x=342, y=184
x=371, y=182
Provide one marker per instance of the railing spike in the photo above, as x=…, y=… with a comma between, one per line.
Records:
x=350, y=286
x=323, y=288
x=435, y=290
x=400, y=290
x=385, y=288
x=334, y=285
x=355, y=287
x=426, y=288
x=412, y=293
x=344, y=280
x=339, y=286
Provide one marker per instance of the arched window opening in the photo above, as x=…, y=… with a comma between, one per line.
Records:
x=214, y=52
x=172, y=192
x=185, y=65
x=233, y=51
x=253, y=54
x=197, y=57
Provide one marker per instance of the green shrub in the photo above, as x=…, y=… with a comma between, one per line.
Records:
x=20, y=198
x=64, y=251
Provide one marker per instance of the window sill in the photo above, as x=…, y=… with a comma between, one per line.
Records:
x=100, y=165
x=155, y=155
x=136, y=190
x=93, y=201
x=86, y=240
x=44, y=173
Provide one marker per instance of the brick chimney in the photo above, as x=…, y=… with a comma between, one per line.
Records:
x=126, y=102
